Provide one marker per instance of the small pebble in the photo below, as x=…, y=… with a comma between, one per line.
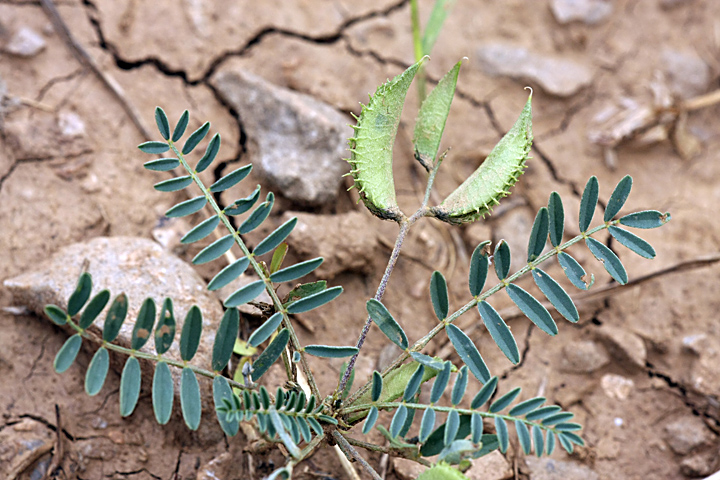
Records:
x=25, y=43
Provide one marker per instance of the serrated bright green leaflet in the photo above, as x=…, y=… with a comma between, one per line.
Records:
x=387, y=324
x=180, y=127
x=435, y=442
x=537, y=436
x=67, y=353
x=143, y=325
x=258, y=215
x=238, y=207
x=502, y=434
x=201, y=230
x=557, y=418
x=499, y=331
x=414, y=383
x=557, y=296
x=270, y=242
x=314, y=301
x=330, y=351
x=429, y=362
x=296, y=271
x=222, y=391
x=618, y=198
x=460, y=386
x=305, y=290
x=231, y=179
x=210, y=153
x=370, y=420
x=556, y=219
x=484, y=394
x=479, y=263
x=610, y=261
x=566, y=444
x=245, y=294
x=645, y=219
x=195, y=138
x=588, y=203
x=162, y=164
x=165, y=330
x=538, y=234
x=523, y=436
x=568, y=427
x=542, y=412
x=433, y=114
x=93, y=309
x=163, y=394
x=574, y=271
x=188, y=207
x=527, y=406
x=633, y=242
x=80, y=295
x=154, y=147
x=377, y=386
x=162, y=123
x=398, y=421
x=173, y=184
x=264, y=331
x=532, y=309
x=97, y=371
x=129, y=386
x=549, y=442
x=468, y=352
x=440, y=383
x=190, y=335
x=434, y=25
x=115, y=317
x=427, y=424
x=451, y=427
x=501, y=258
x=214, y=250
x=190, y=398
x=492, y=180
x=56, y=314
x=439, y=295
x=225, y=338
x=270, y=354
x=502, y=402
x=371, y=148
x=229, y=273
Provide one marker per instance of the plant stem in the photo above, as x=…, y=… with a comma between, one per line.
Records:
x=350, y=452
x=418, y=49
x=388, y=450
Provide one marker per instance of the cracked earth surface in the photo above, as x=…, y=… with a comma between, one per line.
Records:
x=57, y=189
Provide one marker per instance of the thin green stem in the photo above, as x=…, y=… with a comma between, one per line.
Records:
x=418, y=49
x=389, y=450
x=353, y=454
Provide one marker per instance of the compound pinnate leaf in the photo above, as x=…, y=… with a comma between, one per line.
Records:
x=328, y=351
x=80, y=295
x=231, y=179
x=56, y=314
x=556, y=219
x=225, y=338
x=502, y=259
x=154, y=147
x=527, y=406
x=270, y=354
x=429, y=362
x=610, y=261
x=377, y=386
x=296, y=271
x=173, y=184
x=537, y=436
x=439, y=295
x=210, y=153
x=532, y=309
x=229, y=273
x=143, y=325
x=314, y=301
x=275, y=238
x=162, y=164
x=188, y=207
x=201, y=230
x=165, y=330
x=93, y=309
x=67, y=353
x=190, y=335
x=487, y=391
x=588, y=203
x=115, y=317
x=190, y=398
x=499, y=331
x=523, y=436
x=414, y=383
x=502, y=434
x=398, y=421
x=633, y=242
x=195, y=138
x=502, y=402
x=427, y=424
x=97, y=371
x=245, y=294
x=468, y=352
x=238, y=207
x=460, y=386
x=258, y=215
x=645, y=219
x=129, y=386
x=440, y=383
x=370, y=420
x=618, y=198
x=163, y=394
x=557, y=296
x=479, y=263
x=222, y=391
x=180, y=127
x=575, y=272
x=387, y=324
x=538, y=234
x=162, y=122
x=214, y=250
x=264, y=331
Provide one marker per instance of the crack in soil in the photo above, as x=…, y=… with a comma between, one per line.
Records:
x=133, y=472
x=49, y=425
x=37, y=359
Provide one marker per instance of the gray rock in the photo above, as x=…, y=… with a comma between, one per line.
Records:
x=558, y=76
x=25, y=43
x=25, y=439
x=296, y=142
x=549, y=469
x=583, y=357
x=624, y=346
x=701, y=464
x=493, y=466
x=687, y=434
x=687, y=73
x=590, y=12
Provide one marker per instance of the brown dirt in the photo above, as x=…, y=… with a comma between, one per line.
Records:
x=57, y=189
